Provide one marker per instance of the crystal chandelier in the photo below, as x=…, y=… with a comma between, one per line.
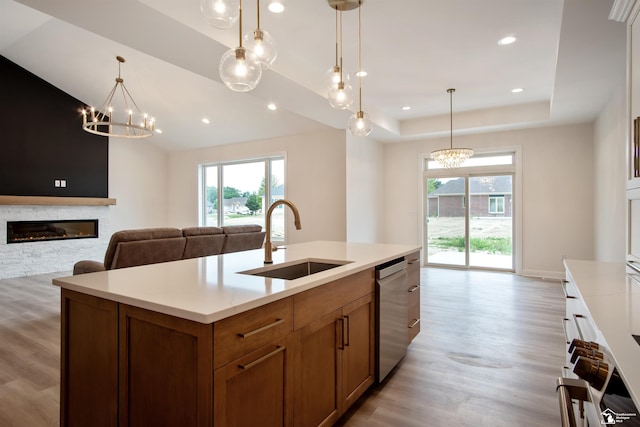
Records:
x=451, y=157
x=120, y=119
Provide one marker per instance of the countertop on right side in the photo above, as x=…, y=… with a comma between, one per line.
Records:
x=611, y=292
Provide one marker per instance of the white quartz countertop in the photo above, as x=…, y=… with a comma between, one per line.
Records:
x=611, y=292
x=209, y=289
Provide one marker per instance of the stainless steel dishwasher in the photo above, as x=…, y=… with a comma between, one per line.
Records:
x=392, y=305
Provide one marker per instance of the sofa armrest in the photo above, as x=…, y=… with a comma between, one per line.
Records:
x=82, y=267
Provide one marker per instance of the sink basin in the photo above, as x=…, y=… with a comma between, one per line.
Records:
x=295, y=270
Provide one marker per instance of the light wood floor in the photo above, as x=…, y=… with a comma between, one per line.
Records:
x=490, y=349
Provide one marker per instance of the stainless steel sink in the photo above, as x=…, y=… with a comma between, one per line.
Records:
x=295, y=270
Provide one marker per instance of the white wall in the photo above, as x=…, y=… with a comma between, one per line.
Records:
x=610, y=139
x=557, y=191
x=315, y=181
x=365, y=183
x=138, y=181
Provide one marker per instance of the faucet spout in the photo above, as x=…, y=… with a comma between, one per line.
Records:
x=268, y=247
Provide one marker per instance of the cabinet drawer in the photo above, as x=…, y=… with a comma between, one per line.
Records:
x=413, y=268
x=245, y=332
x=316, y=302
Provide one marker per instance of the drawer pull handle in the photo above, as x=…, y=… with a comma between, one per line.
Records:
x=414, y=323
x=413, y=261
x=414, y=288
x=263, y=358
x=564, y=290
x=261, y=329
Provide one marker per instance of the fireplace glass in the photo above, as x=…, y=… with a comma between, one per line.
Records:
x=37, y=231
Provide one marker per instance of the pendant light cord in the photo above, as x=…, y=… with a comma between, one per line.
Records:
x=258, y=13
x=451, y=116
x=341, y=81
x=240, y=25
x=337, y=35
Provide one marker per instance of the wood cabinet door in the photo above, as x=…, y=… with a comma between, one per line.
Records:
x=359, y=348
x=256, y=389
x=317, y=368
x=166, y=370
x=89, y=356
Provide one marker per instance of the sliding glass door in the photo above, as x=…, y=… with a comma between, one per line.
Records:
x=469, y=218
x=446, y=221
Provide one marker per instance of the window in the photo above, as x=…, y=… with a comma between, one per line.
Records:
x=477, y=160
x=237, y=193
x=496, y=204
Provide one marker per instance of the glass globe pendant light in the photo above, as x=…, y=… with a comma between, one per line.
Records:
x=239, y=68
x=341, y=93
x=220, y=13
x=359, y=124
x=332, y=76
x=261, y=44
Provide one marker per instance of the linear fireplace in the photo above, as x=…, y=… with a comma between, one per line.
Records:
x=38, y=231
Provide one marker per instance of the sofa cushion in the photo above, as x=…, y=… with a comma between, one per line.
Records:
x=203, y=241
x=146, y=234
x=87, y=266
x=143, y=252
x=243, y=237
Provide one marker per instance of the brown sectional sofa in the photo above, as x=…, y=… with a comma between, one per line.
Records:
x=129, y=248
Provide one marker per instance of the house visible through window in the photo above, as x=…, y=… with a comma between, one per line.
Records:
x=496, y=204
x=236, y=193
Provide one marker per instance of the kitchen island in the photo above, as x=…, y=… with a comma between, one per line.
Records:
x=198, y=342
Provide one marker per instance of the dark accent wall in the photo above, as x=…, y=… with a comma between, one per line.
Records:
x=42, y=141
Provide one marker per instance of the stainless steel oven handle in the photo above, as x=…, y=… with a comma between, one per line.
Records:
x=575, y=318
x=564, y=329
x=564, y=290
x=568, y=389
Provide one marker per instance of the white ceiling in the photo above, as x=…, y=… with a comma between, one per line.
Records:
x=568, y=58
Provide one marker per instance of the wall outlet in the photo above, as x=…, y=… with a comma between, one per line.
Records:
x=63, y=183
x=56, y=183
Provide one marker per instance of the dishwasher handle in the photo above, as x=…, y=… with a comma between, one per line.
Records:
x=402, y=275
x=390, y=269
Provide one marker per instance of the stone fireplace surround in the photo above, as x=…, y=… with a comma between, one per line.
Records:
x=50, y=256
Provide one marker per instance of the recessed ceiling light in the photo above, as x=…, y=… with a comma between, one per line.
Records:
x=276, y=6
x=205, y=121
x=506, y=40
x=272, y=107
x=406, y=108
x=158, y=130
x=517, y=90
x=361, y=73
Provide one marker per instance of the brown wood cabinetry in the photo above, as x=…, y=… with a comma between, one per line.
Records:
x=253, y=361
x=89, y=356
x=127, y=366
x=255, y=390
x=299, y=361
x=334, y=348
x=165, y=370
x=413, y=270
